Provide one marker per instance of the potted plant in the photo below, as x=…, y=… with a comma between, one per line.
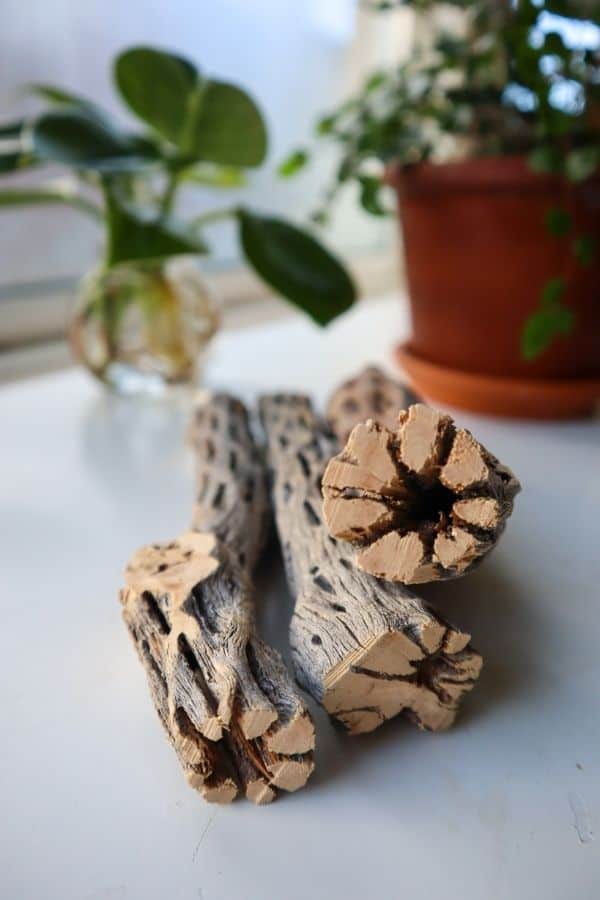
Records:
x=490, y=135
x=144, y=314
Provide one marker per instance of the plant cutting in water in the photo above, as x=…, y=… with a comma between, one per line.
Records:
x=197, y=131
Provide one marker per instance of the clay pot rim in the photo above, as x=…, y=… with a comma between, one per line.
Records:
x=489, y=173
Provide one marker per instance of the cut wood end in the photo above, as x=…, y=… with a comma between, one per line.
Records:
x=466, y=465
x=254, y=722
x=423, y=504
x=296, y=736
x=392, y=676
x=220, y=793
x=173, y=567
x=350, y=518
x=291, y=774
x=260, y=792
x=420, y=434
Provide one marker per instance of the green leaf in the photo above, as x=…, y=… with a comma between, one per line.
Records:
x=293, y=163
x=558, y=222
x=61, y=97
x=552, y=292
x=325, y=125
x=582, y=163
x=296, y=266
x=230, y=129
x=585, y=249
x=74, y=138
x=162, y=89
x=370, y=200
x=132, y=237
x=205, y=120
x=375, y=81
x=546, y=158
x=542, y=327
x=210, y=175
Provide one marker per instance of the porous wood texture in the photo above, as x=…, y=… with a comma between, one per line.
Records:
x=369, y=395
x=423, y=502
x=366, y=650
x=225, y=698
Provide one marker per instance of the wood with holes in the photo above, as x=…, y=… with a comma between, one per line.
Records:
x=366, y=650
x=423, y=502
x=369, y=395
x=225, y=698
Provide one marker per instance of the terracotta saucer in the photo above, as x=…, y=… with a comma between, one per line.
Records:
x=498, y=395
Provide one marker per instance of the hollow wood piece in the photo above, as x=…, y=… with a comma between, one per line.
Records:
x=366, y=650
x=421, y=503
x=226, y=700
x=369, y=395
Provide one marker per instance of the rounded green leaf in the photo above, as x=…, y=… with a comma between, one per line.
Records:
x=74, y=138
x=296, y=266
x=229, y=129
x=162, y=89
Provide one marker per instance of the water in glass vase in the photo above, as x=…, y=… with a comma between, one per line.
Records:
x=144, y=326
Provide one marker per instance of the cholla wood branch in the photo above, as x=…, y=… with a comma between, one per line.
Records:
x=369, y=395
x=423, y=502
x=225, y=698
x=366, y=650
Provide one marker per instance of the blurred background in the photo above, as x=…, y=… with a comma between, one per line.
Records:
x=298, y=61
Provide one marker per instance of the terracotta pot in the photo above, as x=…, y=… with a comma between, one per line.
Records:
x=477, y=257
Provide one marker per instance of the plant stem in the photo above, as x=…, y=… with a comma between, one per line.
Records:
x=215, y=215
x=168, y=199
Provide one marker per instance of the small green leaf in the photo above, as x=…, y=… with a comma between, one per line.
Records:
x=552, y=292
x=325, y=125
x=546, y=158
x=210, y=175
x=132, y=237
x=74, y=138
x=582, y=163
x=542, y=327
x=558, y=222
x=585, y=249
x=293, y=163
x=162, y=89
x=370, y=200
x=375, y=81
x=296, y=266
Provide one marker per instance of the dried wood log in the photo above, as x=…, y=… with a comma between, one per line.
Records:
x=225, y=698
x=421, y=503
x=366, y=650
x=369, y=395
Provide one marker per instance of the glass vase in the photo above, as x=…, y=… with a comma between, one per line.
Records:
x=144, y=326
